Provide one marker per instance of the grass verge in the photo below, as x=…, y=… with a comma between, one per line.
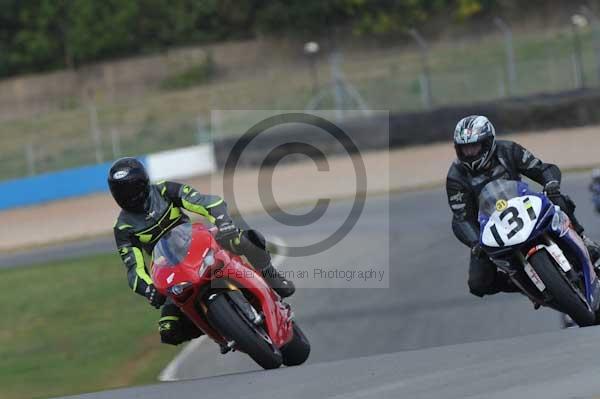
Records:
x=75, y=326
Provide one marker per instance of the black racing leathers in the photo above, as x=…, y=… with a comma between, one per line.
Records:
x=463, y=186
x=135, y=232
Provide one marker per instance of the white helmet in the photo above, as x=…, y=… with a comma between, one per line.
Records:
x=474, y=141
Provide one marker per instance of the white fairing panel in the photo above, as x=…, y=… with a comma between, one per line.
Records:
x=514, y=223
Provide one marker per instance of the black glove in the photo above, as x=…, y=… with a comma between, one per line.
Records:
x=227, y=232
x=476, y=251
x=552, y=189
x=155, y=298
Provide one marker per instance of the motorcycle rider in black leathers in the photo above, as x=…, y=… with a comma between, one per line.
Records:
x=595, y=189
x=481, y=159
x=149, y=211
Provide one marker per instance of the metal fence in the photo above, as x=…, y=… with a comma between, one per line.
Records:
x=420, y=76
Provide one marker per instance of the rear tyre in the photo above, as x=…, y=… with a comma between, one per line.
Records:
x=564, y=298
x=297, y=350
x=226, y=319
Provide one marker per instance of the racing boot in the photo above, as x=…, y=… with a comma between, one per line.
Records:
x=252, y=244
x=226, y=348
x=176, y=329
x=503, y=283
x=282, y=286
x=567, y=322
x=594, y=251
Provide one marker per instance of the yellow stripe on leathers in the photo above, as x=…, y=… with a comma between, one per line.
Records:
x=140, y=268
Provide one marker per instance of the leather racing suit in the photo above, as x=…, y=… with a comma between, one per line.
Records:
x=463, y=186
x=139, y=232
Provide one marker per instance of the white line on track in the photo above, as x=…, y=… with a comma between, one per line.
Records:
x=170, y=372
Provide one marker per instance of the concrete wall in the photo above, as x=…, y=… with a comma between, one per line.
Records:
x=367, y=133
x=77, y=182
x=535, y=113
x=53, y=186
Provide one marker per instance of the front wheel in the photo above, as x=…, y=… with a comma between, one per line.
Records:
x=563, y=294
x=297, y=350
x=231, y=324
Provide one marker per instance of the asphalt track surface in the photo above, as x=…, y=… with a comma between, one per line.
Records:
x=355, y=332
x=555, y=365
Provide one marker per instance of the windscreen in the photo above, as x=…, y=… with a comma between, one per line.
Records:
x=174, y=246
x=495, y=191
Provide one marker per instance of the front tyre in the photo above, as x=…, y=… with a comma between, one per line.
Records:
x=564, y=298
x=231, y=324
x=297, y=350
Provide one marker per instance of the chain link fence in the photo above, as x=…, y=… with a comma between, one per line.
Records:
x=416, y=77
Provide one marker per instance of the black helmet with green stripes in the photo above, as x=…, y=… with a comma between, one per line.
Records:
x=129, y=184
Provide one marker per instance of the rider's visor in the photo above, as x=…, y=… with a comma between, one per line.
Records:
x=470, y=150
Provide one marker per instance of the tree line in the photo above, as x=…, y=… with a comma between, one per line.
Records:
x=40, y=35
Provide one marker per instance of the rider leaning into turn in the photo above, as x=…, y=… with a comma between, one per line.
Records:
x=595, y=189
x=481, y=159
x=149, y=211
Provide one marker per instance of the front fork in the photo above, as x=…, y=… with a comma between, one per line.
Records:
x=525, y=278
x=530, y=283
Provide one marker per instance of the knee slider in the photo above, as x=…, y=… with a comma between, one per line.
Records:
x=478, y=288
x=170, y=331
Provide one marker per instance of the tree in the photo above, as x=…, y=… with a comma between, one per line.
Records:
x=38, y=35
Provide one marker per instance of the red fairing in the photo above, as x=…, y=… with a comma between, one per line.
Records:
x=187, y=270
x=276, y=314
x=228, y=267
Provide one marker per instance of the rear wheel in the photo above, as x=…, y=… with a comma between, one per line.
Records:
x=564, y=296
x=297, y=350
x=248, y=338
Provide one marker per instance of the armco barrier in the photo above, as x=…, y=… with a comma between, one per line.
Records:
x=175, y=164
x=181, y=163
x=53, y=186
x=539, y=112
x=271, y=146
x=533, y=113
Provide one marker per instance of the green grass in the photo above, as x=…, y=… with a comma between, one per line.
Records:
x=75, y=326
x=462, y=71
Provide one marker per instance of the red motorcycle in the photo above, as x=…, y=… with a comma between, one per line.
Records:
x=226, y=298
